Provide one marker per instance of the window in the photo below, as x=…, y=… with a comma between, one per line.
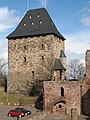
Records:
x=30, y=16
x=40, y=22
x=60, y=106
x=14, y=46
x=18, y=73
x=42, y=57
x=25, y=24
x=38, y=15
x=32, y=23
x=52, y=23
x=62, y=91
x=25, y=59
x=25, y=47
x=42, y=46
x=32, y=73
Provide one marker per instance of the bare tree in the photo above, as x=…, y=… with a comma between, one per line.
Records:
x=75, y=69
x=44, y=73
x=3, y=63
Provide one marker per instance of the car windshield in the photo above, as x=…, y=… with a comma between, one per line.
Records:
x=20, y=108
x=13, y=111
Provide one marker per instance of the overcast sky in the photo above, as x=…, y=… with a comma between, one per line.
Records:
x=71, y=17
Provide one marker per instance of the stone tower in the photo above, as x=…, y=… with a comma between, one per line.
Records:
x=34, y=50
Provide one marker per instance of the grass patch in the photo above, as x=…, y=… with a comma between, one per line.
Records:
x=12, y=99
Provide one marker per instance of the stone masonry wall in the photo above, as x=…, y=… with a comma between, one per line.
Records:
x=74, y=114
x=86, y=87
x=28, y=60
x=39, y=116
x=71, y=95
x=88, y=65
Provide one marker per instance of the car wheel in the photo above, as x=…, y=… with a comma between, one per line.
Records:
x=20, y=116
x=9, y=115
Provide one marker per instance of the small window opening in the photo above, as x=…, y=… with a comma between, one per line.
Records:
x=40, y=22
x=62, y=91
x=18, y=73
x=30, y=16
x=25, y=47
x=60, y=106
x=14, y=46
x=42, y=46
x=33, y=73
x=38, y=15
x=25, y=24
x=52, y=23
x=32, y=23
x=25, y=59
x=42, y=57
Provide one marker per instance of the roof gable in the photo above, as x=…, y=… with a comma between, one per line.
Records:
x=62, y=54
x=35, y=22
x=58, y=65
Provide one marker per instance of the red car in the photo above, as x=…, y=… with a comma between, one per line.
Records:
x=16, y=113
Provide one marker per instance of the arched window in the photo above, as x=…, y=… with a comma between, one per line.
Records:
x=62, y=91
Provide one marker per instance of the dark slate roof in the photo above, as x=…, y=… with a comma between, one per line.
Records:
x=58, y=65
x=35, y=22
x=62, y=54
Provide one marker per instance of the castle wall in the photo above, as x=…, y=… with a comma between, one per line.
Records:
x=71, y=98
x=31, y=59
x=86, y=87
x=88, y=65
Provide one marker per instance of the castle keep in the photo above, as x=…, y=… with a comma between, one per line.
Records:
x=35, y=52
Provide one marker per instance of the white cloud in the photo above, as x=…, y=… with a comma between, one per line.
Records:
x=86, y=21
x=43, y=2
x=8, y=18
x=78, y=42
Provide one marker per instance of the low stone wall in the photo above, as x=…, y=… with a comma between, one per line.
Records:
x=74, y=114
x=38, y=116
